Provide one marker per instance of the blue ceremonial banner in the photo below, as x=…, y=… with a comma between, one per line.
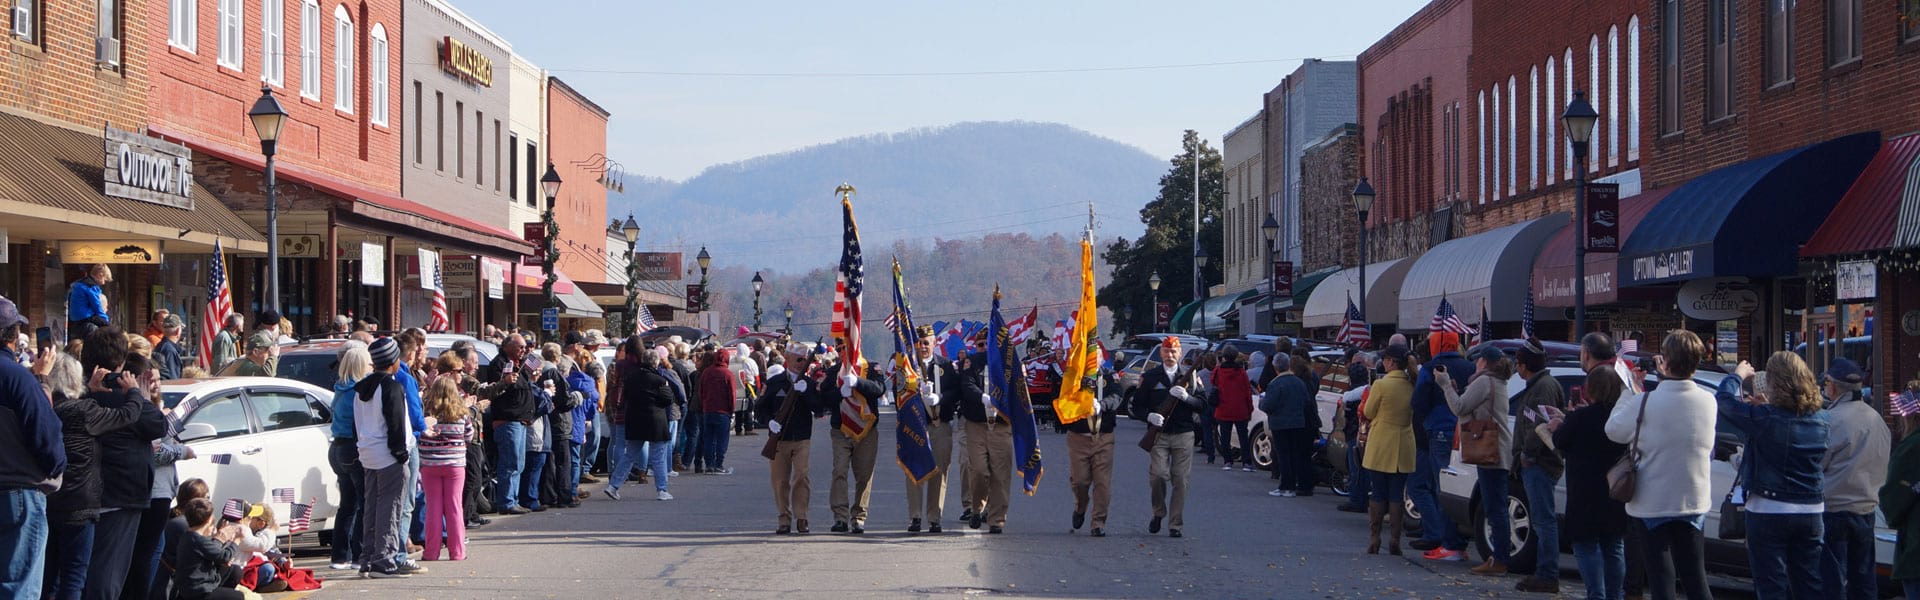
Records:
x=916, y=448
x=1007, y=382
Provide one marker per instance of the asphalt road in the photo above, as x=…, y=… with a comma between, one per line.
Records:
x=715, y=540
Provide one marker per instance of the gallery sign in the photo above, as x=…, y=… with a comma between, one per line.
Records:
x=1718, y=299
x=114, y=252
x=465, y=62
x=373, y=265
x=148, y=169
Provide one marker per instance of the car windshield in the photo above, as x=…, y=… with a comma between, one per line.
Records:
x=309, y=367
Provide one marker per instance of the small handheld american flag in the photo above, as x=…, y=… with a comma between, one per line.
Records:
x=283, y=495
x=301, y=519
x=236, y=509
x=1904, y=404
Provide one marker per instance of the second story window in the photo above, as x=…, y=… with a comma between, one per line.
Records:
x=310, y=49
x=1843, y=31
x=378, y=75
x=183, y=20
x=273, y=47
x=1780, y=41
x=1719, y=59
x=233, y=39
x=343, y=42
x=25, y=20
x=1669, y=66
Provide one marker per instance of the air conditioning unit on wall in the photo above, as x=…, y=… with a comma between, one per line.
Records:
x=106, y=51
x=22, y=21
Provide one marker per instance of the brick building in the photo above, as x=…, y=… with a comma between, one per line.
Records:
x=1413, y=99
x=73, y=81
x=1245, y=256
x=577, y=148
x=1328, y=171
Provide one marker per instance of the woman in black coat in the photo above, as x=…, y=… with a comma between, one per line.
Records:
x=1594, y=522
x=648, y=400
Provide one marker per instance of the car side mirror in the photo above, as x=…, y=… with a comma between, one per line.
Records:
x=194, y=432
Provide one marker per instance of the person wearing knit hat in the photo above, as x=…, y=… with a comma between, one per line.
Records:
x=384, y=439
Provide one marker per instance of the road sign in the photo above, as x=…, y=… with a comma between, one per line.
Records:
x=550, y=319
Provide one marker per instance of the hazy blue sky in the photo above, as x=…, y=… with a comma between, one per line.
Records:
x=675, y=125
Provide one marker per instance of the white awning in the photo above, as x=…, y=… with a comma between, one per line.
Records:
x=1493, y=268
x=1327, y=307
x=577, y=304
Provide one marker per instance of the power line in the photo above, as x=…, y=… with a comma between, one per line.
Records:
x=909, y=74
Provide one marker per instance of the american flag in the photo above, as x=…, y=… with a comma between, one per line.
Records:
x=301, y=519
x=235, y=509
x=1484, y=332
x=850, y=282
x=283, y=495
x=1354, y=330
x=645, y=321
x=892, y=323
x=1020, y=330
x=1526, y=315
x=219, y=305
x=1444, y=319
x=440, y=321
x=1905, y=403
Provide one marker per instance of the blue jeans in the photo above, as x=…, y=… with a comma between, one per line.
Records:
x=1603, y=567
x=23, y=541
x=512, y=439
x=1786, y=552
x=692, y=449
x=624, y=455
x=113, y=538
x=69, y=552
x=1847, y=569
x=1359, y=483
x=530, y=479
x=716, y=428
x=573, y=471
x=1545, y=521
x=1493, y=501
x=1434, y=525
x=345, y=461
x=413, y=503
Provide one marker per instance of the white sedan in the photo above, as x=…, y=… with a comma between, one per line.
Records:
x=254, y=435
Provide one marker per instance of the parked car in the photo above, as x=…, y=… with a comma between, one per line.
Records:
x=1460, y=498
x=254, y=435
x=313, y=361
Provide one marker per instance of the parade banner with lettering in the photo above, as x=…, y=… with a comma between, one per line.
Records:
x=1007, y=382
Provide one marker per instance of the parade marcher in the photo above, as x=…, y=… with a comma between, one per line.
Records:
x=87, y=302
x=1780, y=468
x=509, y=384
x=786, y=406
x=1485, y=399
x=1675, y=440
x=1390, y=448
x=989, y=451
x=33, y=456
x=124, y=463
x=963, y=385
x=1175, y=399
x=1597, y=526
x=1090, y=456
x=343, y=455
x=853, y=460
x=1854, y=466
x=928, y=500
x=384, y=437
x=1439, y=538
x=1539, y=464
x=226, y=344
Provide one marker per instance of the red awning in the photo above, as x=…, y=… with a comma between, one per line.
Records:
x=366, y=202
x=531, y=277
x=1882, y=203
x=1553, y=269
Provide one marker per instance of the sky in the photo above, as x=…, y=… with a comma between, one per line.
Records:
x=675, y=74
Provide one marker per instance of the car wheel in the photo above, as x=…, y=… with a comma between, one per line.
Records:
x=1262, y=447
x=1519, y=534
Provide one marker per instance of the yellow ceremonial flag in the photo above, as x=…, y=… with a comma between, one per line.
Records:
x=1076, y=402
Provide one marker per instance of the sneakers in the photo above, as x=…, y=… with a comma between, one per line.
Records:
x=1228, y=467
x=721, y=471
x=521, y=511
x=1282, y=493
x=1247, y=468
x=663, y=496
x=612, y=493
x=1444, y=555
x=384, y=572
x=344, y=566
x=673, y=473
x=409, y=567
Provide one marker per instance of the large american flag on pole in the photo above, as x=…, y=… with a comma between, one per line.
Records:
x=1353, y=328
x=440, y=322
x=856, y=420
x=219, y=305
x=1444, y=319
x=645, y=322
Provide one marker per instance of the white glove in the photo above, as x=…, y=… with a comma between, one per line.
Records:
x=847, y=381
x=932, y=400
x=1178, y=392
x=800, y=385
x=1156, y=419
x=774, y=426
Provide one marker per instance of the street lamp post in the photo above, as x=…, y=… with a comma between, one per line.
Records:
x=758, y=283
x=1580, y=118
x=549, y=183
x=1153, y=283
x=631, y=229
x=704, y=260
x=268, y=119
x=788, y=311
x=1272, y=228
x=1363, y=202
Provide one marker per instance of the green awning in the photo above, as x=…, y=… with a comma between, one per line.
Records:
x=1303, y=286
x=1203, y=317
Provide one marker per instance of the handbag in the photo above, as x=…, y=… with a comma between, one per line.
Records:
x=1480, y=442
x=1623, y=475
x=1733, y=514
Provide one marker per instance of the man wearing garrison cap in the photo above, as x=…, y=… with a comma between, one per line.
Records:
x=927, y=501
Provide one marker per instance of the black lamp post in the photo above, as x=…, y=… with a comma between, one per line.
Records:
x=631, y=229
x=268, y=119
x=758, y=283
x=1271, y=227
x=549, y=183
x=1580, y=118
x=1363, y=202
x=788, y=311
x=1153, y=283
x=704, y=260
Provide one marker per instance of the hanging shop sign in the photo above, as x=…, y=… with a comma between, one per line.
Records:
x=299, y=245
x=1855, y=280
x=1603, y=217
x=429, y=269
x=115, y=252
x=1718, y=299
x=148, y=169
x=496, y=276
x=656, y=266
x=465, y=62
x=696, y=298
x=1283, y=279
x=373, y=265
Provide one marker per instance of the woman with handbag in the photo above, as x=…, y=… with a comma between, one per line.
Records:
x=1668, y=469
x=1596, y=524
x=1786, y=433
x=1486, y=442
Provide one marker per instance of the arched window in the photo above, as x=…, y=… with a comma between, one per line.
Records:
x=1554, y=105
x=377, y=87
x=1633, y=88
x=344, y=39
x=1480, y=140
x=310, y=49
x=1513, y=135
x=1566, y=67
x=1533, y=128
x=1598, y=100
x=1613, y=95
x=1499, y=160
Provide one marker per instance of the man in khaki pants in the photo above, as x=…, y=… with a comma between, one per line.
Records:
x=989, y=451
x=1091, y=456
x=927, y=501
x=1176, y=413
x=851, y=458
x=787, y=392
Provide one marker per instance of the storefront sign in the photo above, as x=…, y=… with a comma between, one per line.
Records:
x=148, y=169
x=496, y=276
x=1654, y=324
x=1162, y=315
x=1664, y=265
x=465, y=62
x=1599, y=283
x=116, y=252
x=1283, y=279
x=299, y=245
x=1718, y=299
x=373, y=264
x=1603, y=217
x=534, y=233
x=657, y=266
x=696, y=296
x=1855, y=280
x=429, y=267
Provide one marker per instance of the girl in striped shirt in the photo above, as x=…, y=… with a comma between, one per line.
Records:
x=443, y=467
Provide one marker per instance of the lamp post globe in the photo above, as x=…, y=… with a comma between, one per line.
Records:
x=1363, y=196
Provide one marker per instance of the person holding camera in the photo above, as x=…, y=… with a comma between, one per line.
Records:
x=1780, y=469
x=1485, y=399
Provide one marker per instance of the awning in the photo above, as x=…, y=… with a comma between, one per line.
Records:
x=1748, y=219
x=1553, y=270
x=1493, y=268
x=1882, y=209
x=1202, y=317
x=51, y=181
x=1327, y=307
x=576, y=304
x=531, y=278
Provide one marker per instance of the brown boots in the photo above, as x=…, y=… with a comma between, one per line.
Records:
x=1375, y=512
x=1396, y=520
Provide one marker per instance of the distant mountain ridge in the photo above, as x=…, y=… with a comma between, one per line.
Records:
x=958, y=181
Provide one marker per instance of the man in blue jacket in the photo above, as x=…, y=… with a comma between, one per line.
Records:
x=32, y=457
x=1438, y=537
x=87, y=302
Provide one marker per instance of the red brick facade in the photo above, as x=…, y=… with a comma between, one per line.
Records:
x=197, y=98
x=56, y=76
x=1411, y=84
x=577, y=145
